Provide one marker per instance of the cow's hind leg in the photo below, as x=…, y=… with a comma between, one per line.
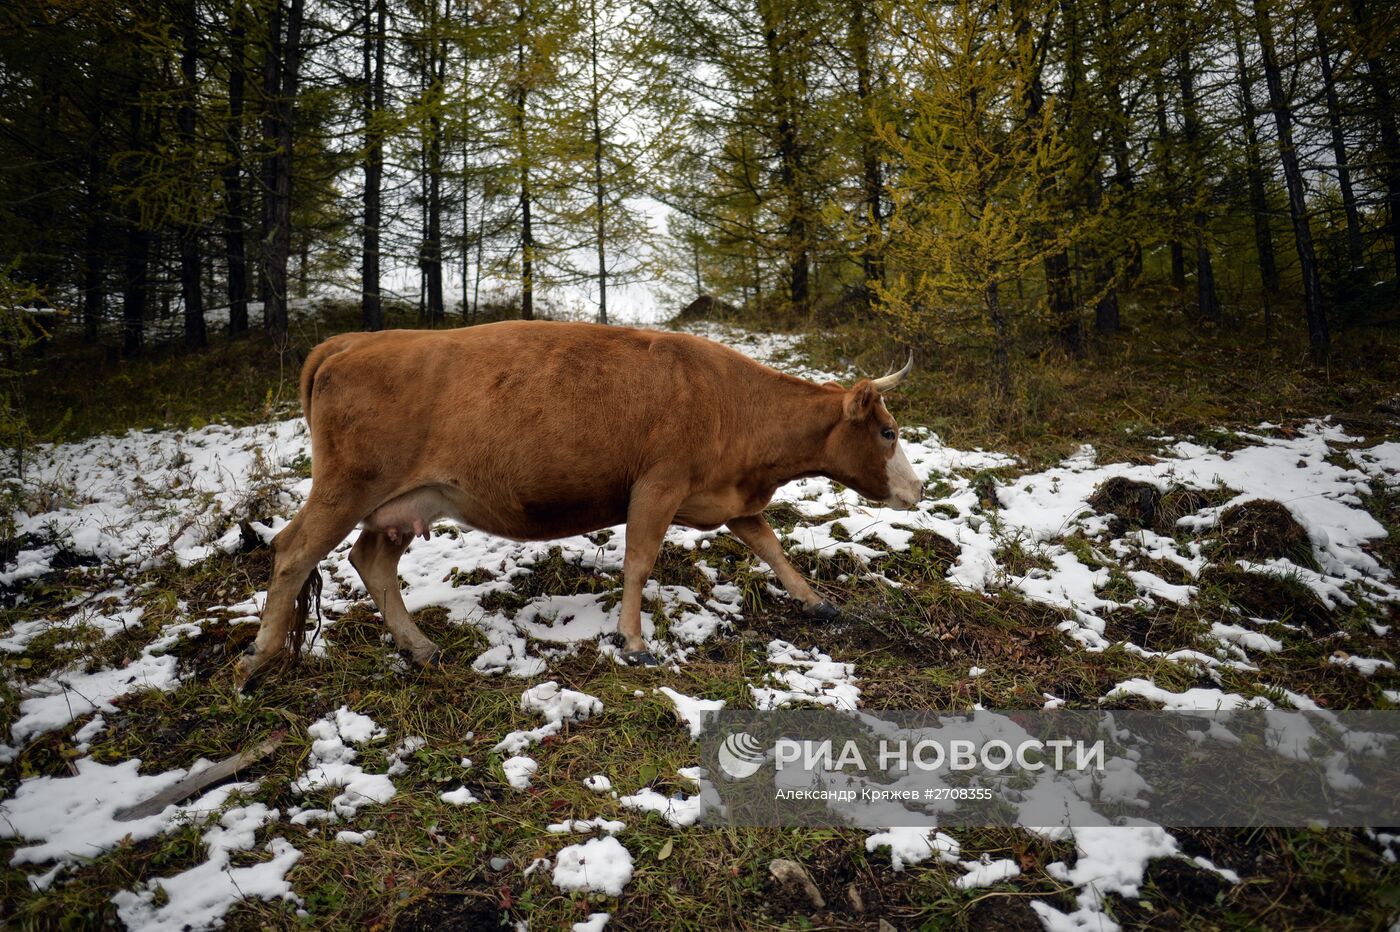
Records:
x=297, y=550
x=375, y=557
x=648, y=517
x=754, y=531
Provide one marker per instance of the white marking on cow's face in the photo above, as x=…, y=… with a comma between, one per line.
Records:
x=905, y=488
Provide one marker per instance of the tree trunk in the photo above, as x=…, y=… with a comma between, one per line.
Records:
x=872, y=176
x=191, y=263
x=1059, y=296
x=432, y=240
x=1339, y=147
x=1318, y=340
x=1001, y=349
x=466, y=233
x=1059, y=288
x=285, y=68
x=599, y=194
x=527, y=234
x=1101, y=268
x=1109, y=69
x=1254, y=171
x=235, y=221
x=1207, y=301
x=94, y=252
x=1123, y=174
x=135, y=286
x=137, y=248
x=790, y=169
x=267, y=151
x=1178, y=255
x=371, y=306
x=480, y=247
x=1379, y=77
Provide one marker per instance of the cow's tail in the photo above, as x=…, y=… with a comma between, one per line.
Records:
x=309, y=595
x=314, y=359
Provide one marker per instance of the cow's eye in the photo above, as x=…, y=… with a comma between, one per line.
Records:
x=888, y=433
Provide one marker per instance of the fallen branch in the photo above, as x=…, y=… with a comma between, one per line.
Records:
x=195, y=782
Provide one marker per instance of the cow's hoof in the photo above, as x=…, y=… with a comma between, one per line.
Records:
x=639, y=658
x=822, y=611
x=246, y=669
x=429, y=659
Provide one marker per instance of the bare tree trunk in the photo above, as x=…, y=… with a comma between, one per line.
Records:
x=1178, y=255
x=94, y=252
x=137, y=248
x=191, y=286
x=872, y=176
x=1379, y=77
x=1339, y=147
x=267, y=151
x=135, y=286
x=599, y=194
x=1318, y=340
x=1207, y=301
x=466, y=233
x=432, y=245
x=480, y=247
x=790, y=168
x=371, y=301
x=286, y=69
x=235, y=246
x=527, y=233
x=1101, y=268
x=1001, y=353
x=1258, y=197
x=1059, y=288
x=1116, y=128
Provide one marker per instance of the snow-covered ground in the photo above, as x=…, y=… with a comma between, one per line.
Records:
x=145, y=497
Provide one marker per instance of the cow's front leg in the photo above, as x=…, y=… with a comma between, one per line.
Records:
x=648, y=517
x=759, y=537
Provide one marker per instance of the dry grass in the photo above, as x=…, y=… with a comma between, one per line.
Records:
x=913, y=646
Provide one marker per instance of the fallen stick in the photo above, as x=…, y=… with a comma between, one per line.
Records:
x=197, y=781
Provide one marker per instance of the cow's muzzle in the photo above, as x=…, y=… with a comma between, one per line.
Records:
x=906, y=489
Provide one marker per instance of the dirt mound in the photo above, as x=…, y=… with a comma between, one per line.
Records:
x=1267, y=595
x=1136, y=504
x=707, y=307
x=1262, y=530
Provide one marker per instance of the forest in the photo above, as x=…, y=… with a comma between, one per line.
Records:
x=976, y=173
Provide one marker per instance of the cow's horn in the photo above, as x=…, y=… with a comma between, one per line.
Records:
x=887, y=382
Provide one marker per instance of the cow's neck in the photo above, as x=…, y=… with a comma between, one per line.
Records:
x=795, y=419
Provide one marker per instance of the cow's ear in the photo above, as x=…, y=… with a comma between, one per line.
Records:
x=860, y=400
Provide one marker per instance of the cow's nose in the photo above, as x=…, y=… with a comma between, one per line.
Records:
x=907, y=498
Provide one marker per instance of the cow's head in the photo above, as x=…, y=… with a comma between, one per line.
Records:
x=864, y=450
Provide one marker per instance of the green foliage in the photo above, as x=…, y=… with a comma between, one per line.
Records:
x=25, y=319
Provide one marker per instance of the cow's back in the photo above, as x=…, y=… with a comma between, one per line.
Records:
x=544, y=417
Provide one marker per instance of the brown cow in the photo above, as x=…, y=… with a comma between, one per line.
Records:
x=539, y=430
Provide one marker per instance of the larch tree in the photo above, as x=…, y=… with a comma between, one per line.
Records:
x=969, y=218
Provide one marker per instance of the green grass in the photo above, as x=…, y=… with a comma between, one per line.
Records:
x=913, y=645
x=430, y=862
